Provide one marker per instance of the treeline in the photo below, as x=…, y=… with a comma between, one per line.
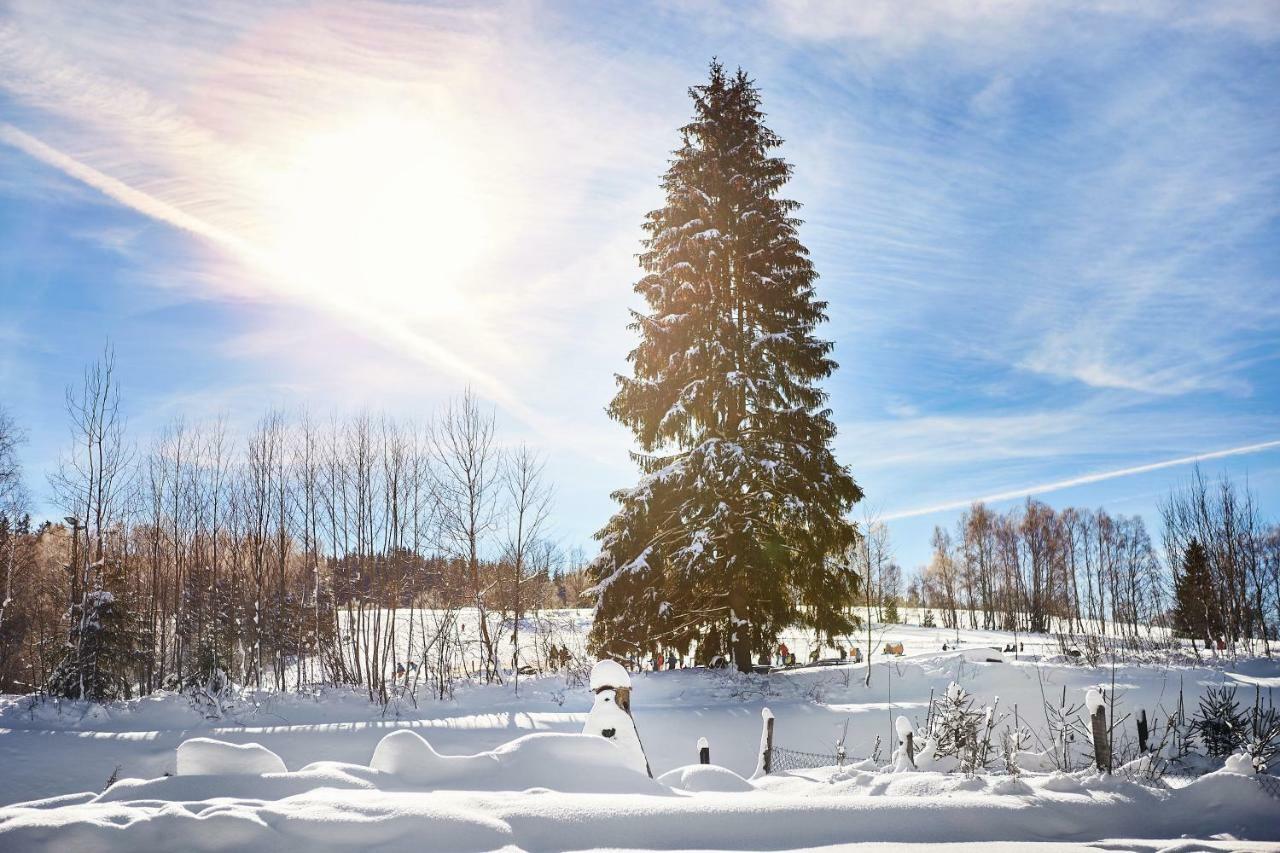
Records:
x=1037, y=569
x=278, y=560
x=1214, y=578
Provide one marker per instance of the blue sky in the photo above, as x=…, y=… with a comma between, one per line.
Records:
x=1048, y=232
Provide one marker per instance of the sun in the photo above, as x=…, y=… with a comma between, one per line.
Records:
x=382, y=213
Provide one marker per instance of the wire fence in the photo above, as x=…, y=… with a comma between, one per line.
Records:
x=784, y=760
x=1269, y=783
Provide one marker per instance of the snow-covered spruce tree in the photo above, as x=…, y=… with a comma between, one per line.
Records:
x=1195, y=612
x=735, y=528
x=891, y=616
x=103, y=653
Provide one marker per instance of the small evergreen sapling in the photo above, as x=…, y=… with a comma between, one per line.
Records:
x=961, y=731
x=1218, y=724
x=1263, y=739
x=891, y=611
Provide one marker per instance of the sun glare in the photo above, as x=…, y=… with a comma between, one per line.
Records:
x=382, y=213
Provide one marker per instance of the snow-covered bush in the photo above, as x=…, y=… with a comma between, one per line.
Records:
x=1066, y=730
x=208, y=687
x=1012, y=743
x=960, y=731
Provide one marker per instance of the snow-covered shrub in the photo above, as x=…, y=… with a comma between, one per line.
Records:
x=1012, y=743
x=1219, y=725
x=960, y=731
x=208, y=687
x=1066, y=730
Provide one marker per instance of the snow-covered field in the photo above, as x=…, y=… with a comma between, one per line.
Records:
x=343, y=787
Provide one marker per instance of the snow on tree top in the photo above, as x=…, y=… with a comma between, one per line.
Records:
x=609, y=673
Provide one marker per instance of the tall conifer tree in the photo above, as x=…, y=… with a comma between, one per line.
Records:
x=737, y=526
x=1195, y=611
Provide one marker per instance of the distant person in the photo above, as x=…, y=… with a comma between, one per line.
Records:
x=671, y=660
x=782, y=653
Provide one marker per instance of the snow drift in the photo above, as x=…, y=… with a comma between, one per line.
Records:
x=204, y=756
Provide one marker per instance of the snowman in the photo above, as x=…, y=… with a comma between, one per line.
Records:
x=610, y=715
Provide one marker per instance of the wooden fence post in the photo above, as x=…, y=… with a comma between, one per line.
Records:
x=765, y=764
x=1142, y=730
x=704, y=751
x=1101, y=743
x=911, y=748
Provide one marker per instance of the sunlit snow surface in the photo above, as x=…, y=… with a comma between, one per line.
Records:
x=466, y=775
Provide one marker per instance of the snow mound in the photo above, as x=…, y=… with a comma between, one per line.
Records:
x=573, y=764
x=1238, y=763
x=407, y=755
x=568, y=763
x=981, y=654
x=268, y=786
x=202, y=756
x=1062, y=783
x=705, y=777
x=609, y=673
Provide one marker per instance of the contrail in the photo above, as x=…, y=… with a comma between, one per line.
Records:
x=120, y=191
x=1082, y=480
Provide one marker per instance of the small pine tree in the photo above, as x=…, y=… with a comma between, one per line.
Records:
x=1262, y=740
x=102, y=651
x=954, y=726
x=1218, y=724
x=928, y=620
x=891, y=611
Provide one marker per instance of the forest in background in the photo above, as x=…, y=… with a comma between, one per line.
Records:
x=280, y=559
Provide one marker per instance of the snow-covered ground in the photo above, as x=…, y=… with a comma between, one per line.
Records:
x=464, y=775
